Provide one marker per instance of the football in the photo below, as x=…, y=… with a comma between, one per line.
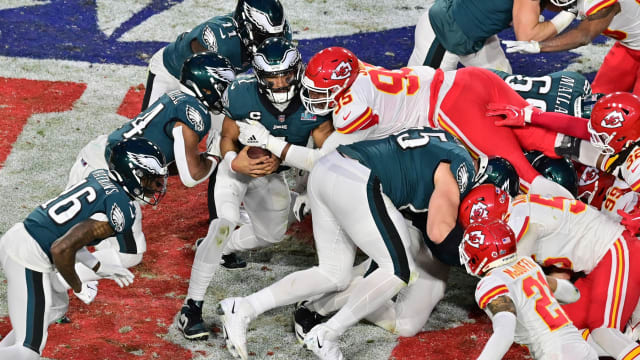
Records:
x=255, y=152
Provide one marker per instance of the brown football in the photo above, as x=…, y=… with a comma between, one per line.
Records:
x=255, y=152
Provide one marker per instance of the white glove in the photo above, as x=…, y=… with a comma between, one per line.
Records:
x=88, y=292
x=523, y=47
x=213, y=143
x=301, y=207
x=122, y=276
x=253, y=133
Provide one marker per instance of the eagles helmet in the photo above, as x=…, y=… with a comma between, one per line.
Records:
x=562, y=3
x=138, y=165
x=275, y=58
x=583, y=105
x=560, y=171
x=502, y=174
x=207, y=75
x=258, y=20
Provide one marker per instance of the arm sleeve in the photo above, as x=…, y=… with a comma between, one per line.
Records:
x=304, y=158
x=181, y=160
x=504, y=327
x=562, y=123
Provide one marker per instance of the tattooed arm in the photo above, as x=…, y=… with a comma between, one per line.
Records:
x=504, y=326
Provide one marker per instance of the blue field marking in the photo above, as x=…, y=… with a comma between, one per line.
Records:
x=68, y=29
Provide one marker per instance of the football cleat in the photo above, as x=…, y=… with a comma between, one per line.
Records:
x=304, y=320
x=324, y=343
x=190, y=321
x=235, y=314
x=233, y=261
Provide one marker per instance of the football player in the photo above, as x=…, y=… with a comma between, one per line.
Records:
x=518, y=298
x=369, y=102
x=234, y=36
x=619, y=20
x=270, y=97
x=356, y=193
x=453, y=31
x=568, y=234
x=177, y=122
x=55, y=234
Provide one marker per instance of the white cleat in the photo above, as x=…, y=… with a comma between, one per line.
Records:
x=323, y=342
x=236, y=315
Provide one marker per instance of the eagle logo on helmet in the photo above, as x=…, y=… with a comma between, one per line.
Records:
x=147, y=162
x=262, y=20
x=613, y=120
x=209, y=39
x=478, y=212
x=475, y=238
x=225, y=74
x=342, y=71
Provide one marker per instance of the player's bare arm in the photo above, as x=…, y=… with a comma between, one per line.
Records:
x=526, y=23
x=242, y=163
x=196, y=47
x=445, y=198
x=63, y=250
x=502, y=303
x=584, y=33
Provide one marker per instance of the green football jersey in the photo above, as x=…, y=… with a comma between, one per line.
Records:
x=405, y=164
x=481, y=19
x=157, y=122
x=561, y=91
x=97, y=195
x=242, y=100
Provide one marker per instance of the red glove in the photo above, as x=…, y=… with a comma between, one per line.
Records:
x=631, y=220
x=511, y=115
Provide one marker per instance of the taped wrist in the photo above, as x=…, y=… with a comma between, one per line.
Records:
x=276, y=145
x=562, y=20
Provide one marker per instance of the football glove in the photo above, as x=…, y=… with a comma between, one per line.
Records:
x=88, y=292
x=213, y=144
x=631, y=220
x=253, y=133
x=511, y=115
x=122, y=276
x=522, y=47
x=300, y=207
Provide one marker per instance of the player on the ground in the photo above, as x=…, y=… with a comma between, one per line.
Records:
x=55, y=234
x=369, y=102
x=518, y=298
x=617, y=19
x=570, y=235
x=234, y=36
x=269, y=97
x=466, y=30
x=177, y=122
x=356, y=193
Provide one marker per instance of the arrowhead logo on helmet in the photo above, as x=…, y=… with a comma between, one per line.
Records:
x=615, y=119
x=478, y=212
x=588, y=176
x=475, y=238
x=342, y=71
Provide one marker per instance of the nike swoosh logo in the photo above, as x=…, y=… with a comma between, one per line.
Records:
x=319, y=345
x=233, y=308
x=634, y=168
x=183, y=320
x=346, y=116
x=221, y=34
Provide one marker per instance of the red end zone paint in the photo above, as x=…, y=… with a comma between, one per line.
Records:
x=130, y=106
x=21, y=98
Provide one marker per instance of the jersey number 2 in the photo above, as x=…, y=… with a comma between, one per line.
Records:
x=554, y=318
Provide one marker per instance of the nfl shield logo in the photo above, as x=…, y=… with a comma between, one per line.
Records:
x=281, y=118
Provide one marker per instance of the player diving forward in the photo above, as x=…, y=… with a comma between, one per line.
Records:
x=570, y=235
x=518, y=298
x=270, y=97
x=55, y=234
x=176, y=123
x=356, y=193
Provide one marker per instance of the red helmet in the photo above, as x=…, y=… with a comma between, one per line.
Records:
x=329, y=73
x=592, y=184
x=487, y=245
x=483, y=202
x=615, y=122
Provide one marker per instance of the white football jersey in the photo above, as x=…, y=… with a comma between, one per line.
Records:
x=619, y=197
x=541, y=325
x=385, y=101
x=561, y=232
x=629, y=171
x=625, y=26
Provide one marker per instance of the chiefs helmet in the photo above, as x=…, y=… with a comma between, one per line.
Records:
x=483, y=202
x=487, y=245
x=615, y=122
x=328, y=75
x=593, y=184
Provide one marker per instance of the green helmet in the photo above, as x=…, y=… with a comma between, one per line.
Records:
x=584, y=104
x=278, y=57
x=207, y=76
x=140, y=167
x=502, y=174
x=560, y=170
x=258, y=20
